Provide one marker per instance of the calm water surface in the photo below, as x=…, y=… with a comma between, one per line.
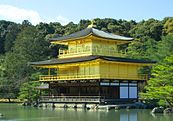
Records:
x=14, y=112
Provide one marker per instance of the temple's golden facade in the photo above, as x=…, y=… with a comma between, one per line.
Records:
x=92, y=62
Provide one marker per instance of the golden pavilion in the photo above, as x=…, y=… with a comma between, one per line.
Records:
x=91, y=70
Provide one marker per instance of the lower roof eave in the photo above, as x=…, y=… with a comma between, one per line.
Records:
x=55, y=62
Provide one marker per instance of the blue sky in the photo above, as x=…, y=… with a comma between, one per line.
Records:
x=64, y=11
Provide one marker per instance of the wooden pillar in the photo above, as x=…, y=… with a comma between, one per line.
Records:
x=56, y=90
x=99, y=91
x=49, y=89
x=99, y=88
x=79, y=89
x=137, y=89
x=49, y=72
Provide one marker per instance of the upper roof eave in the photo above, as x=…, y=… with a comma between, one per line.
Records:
x=88, y=31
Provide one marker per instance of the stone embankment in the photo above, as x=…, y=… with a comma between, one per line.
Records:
x=136, y=105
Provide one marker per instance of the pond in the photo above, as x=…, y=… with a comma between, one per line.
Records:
x=14, y=112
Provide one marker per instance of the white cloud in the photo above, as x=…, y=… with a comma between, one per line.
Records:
x=62, y=20
x=15, y=14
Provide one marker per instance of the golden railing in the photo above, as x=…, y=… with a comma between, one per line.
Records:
x=96, y=76
x=67, y=53
x=90, y=51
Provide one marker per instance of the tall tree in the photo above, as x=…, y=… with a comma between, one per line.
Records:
x=151, y=28
x=26, y=22
x=5, y=27
x=10, y=37
x=1, y=45
x=161, y=85
x=83, y=24
x=168, y=26
x=165, y=47
x=28, y=46
x=28, y=91
x=45, y=29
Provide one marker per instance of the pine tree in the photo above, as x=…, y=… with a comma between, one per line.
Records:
x=161, y=85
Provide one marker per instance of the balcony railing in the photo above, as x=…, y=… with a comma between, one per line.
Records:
x=83, y=99
x=90, y=51
x=96, y=76
x=71, y=99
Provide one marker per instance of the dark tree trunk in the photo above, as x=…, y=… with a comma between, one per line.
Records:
x=169, y=104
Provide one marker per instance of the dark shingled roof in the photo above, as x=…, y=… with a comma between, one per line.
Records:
x=89, y=58
x=95, y=32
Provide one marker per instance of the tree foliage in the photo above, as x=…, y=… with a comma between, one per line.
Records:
x=165, y=47
x=151, y=28
x=168, y=26
x=10, y=37
x=160, y=86
x=5, y=27
x=28, y=46
x=27, y=91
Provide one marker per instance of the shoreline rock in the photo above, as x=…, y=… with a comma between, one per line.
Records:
x=168, y=110
x=1, y=115
x=117, y=107
x=158, y=110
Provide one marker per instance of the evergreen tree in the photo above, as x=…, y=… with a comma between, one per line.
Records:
x=28, y=91
x=165, y=47
x=168, y=26
x=160, y=86
x=1, y=45
x=29, y=46
x=10, y=37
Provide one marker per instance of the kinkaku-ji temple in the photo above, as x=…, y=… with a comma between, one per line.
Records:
x=91, y=70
